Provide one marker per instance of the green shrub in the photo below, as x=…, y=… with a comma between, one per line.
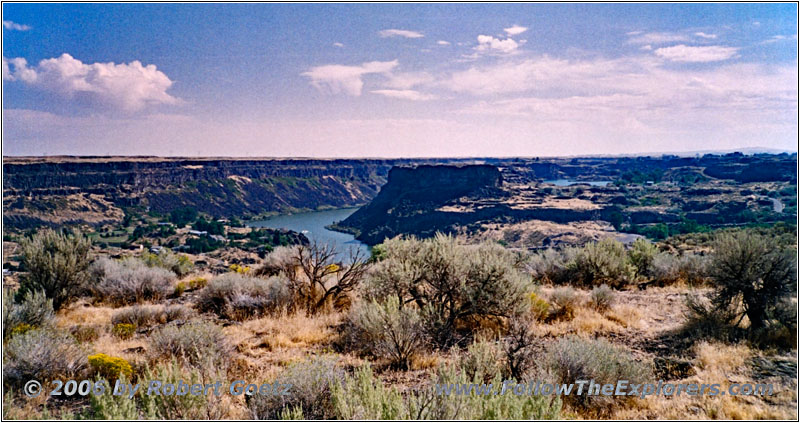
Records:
x=551, y=265
x=540, y=308
x=109, y=367
x=565, y=302
x=42, y=354
x=601, y=298
x=386, y=330
x=130, y=281
x=179, y=289
x=115, y=407
x=123, y=330
x=482, y=361
x=425, y=404
x=364, y=397
x=572, y=358
x=197, y=344
x=56, y=264
x=162, y=407
x=457, y=287
x=754, y=271
x=641, y=256
x=603, y=262
x=668, y=269
x=35, y=310
x=166, y=259
x=84, y=334
x=197, y=283
x=149, y=315
x=238, y=297
x=310, y=392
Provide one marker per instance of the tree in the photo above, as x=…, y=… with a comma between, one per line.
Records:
x=316, y=278
x=55, y=263
x=755, y=271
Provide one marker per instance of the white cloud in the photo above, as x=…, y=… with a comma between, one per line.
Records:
x=20, y=71
x=647, y=47
x=489, y=43
x=684, y=53
x=405, y=94
x=400, y=33
x=655, y=37
x=777, y=38
x=515, y=30
x=443, y=43
x=407, y=80
x=706, y=36
x=340, y=45
x=13, y=26
x=128, y=87
x=336, y=79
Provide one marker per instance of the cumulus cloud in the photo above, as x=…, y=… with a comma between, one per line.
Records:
x=684, y=53
x=443, y=43
x=405, y=94
x=20, y=71
x=335, y=79
x=386, y=33
x=637, y=37
x=13, y=26
x=706, y=36
x=515, y=30
x=340, y=45
x=126, y=86
x=487, y=43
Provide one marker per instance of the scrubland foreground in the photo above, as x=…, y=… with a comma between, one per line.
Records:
x=367, y=338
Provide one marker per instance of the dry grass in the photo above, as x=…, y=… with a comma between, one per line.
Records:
x=723, y=364
x=81, y=313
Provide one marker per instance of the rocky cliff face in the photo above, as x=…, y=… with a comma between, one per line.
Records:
x=35, y=190
x=407, y=203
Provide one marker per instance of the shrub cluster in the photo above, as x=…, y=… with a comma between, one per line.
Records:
x=166, y=259
x=364, y=397
x=35, y=310
x=239, y=297
x=753, y=277
x=56, y=264
x=456, y=288
x=573, y=358
x=197, y=344
x=43, y=354
x=310, y=397
x=161, y=407
x=601, y=298
x=384, y=329
x=109, y=367
x=130, y=281
x=608, y=263
x=149, y=315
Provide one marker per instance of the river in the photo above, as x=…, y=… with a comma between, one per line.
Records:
x=312, y=225
x=568, y=182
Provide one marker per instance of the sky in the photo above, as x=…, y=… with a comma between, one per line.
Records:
x=397, y=80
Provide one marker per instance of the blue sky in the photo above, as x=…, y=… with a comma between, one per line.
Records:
x=390, y=80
